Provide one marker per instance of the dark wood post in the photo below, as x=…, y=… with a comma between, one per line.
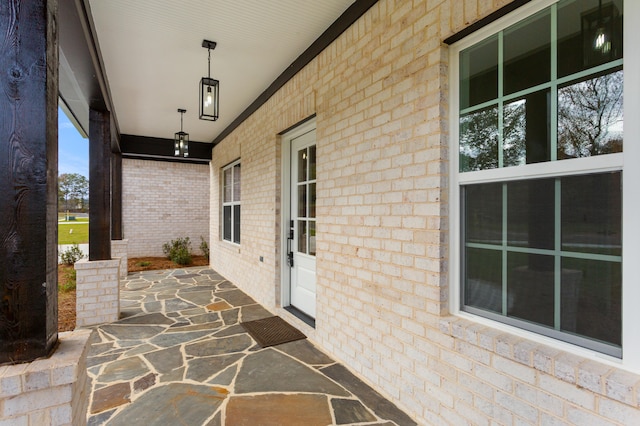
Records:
x=116, y=196
x=28, y=179
x=99, y=185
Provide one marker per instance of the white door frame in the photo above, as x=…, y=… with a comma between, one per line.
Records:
x=285, y=209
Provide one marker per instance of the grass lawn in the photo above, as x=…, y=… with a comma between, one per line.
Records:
x=73, y=232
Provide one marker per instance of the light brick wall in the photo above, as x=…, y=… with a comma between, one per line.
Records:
x=380, y=94
x=119, y=251
x=48, y=391
x=97, y=292
x=162, y=201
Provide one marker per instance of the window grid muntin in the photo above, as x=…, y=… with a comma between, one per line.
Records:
x=232, y=203
x=548, y=85
x=614, y=163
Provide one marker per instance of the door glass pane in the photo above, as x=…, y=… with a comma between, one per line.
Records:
x=589, y=34
x=483, y=279
x=236, y=182
x=312, y=162
x=479, y=73
x=312, y=200
x=527, y=53
x=226, y=223
x=530, y=214
x=479, y=140
x=227, y=185
x=312, y=237
x=302, y=165
x=236, y=224
x=483, y=213
x=302, y=200
x=302, y=236
x=591, y=299
x=530, y=287
x=592, y=214
x=590, y=116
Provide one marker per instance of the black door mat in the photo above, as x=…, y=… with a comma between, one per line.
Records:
x=272, y=331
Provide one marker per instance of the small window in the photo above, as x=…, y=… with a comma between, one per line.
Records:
x=231, y=203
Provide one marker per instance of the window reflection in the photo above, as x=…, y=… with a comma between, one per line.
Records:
x=527, y=53
x=592, y=213
x=483, y=213
x=479, y=73
x=302, y=236
x=227, y=185
x=530, y=213
x=479, y=140
x=589, y=34
x=590, y=117
x=514, y=133
x=531, y=287
x=302, y=165
x=236, y=182
x=302, y=200
x=483, y=280
x=591, y=299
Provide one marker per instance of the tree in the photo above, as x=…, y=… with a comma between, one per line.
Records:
x=588, y=113
x=73, y=189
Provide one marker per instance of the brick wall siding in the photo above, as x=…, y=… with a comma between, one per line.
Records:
x=162, y=201
x=380, y=95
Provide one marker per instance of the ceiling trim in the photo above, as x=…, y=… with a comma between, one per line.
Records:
x=351, y=15
x=161, y=149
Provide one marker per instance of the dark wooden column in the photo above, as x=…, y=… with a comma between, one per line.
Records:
x=116, y=196
x=99, y=185
x=28, y=179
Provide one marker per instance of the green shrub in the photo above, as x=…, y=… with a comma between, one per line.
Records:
x=178, y=250
x=71, y=255
x=70, y=281
x=204, y=247
x=144, y=263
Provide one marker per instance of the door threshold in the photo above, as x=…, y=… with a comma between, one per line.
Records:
x=310, y=321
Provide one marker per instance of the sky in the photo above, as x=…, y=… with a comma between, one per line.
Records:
x=73, y=149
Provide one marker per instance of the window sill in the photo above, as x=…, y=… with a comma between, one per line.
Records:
x=599, y=377
x=228, y=245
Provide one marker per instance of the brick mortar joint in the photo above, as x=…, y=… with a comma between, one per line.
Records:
x=448, y=324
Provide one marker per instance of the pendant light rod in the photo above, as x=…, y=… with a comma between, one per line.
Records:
x=209, y=89
x=181, y=111
x=209, y=45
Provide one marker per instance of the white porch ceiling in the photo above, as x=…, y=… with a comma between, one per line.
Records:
x=153, y=56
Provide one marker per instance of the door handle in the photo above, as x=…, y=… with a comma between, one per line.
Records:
x=289, y=244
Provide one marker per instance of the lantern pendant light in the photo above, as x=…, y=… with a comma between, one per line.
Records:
x=181, y=139
x=209, y=90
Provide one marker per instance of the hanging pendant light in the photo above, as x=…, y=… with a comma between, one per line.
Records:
x=209, y=90
x=181, y=139
x=601, y=41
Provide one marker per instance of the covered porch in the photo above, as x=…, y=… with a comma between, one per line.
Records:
x=180, y=355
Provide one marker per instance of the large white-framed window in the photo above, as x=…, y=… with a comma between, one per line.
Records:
x=539, y=148
x=231, y=202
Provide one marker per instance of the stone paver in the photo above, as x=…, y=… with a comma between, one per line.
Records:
x=180, y=356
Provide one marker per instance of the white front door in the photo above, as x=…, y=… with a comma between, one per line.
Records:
x=301, y=256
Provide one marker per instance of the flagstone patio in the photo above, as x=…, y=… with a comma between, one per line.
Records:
x=180, y=356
